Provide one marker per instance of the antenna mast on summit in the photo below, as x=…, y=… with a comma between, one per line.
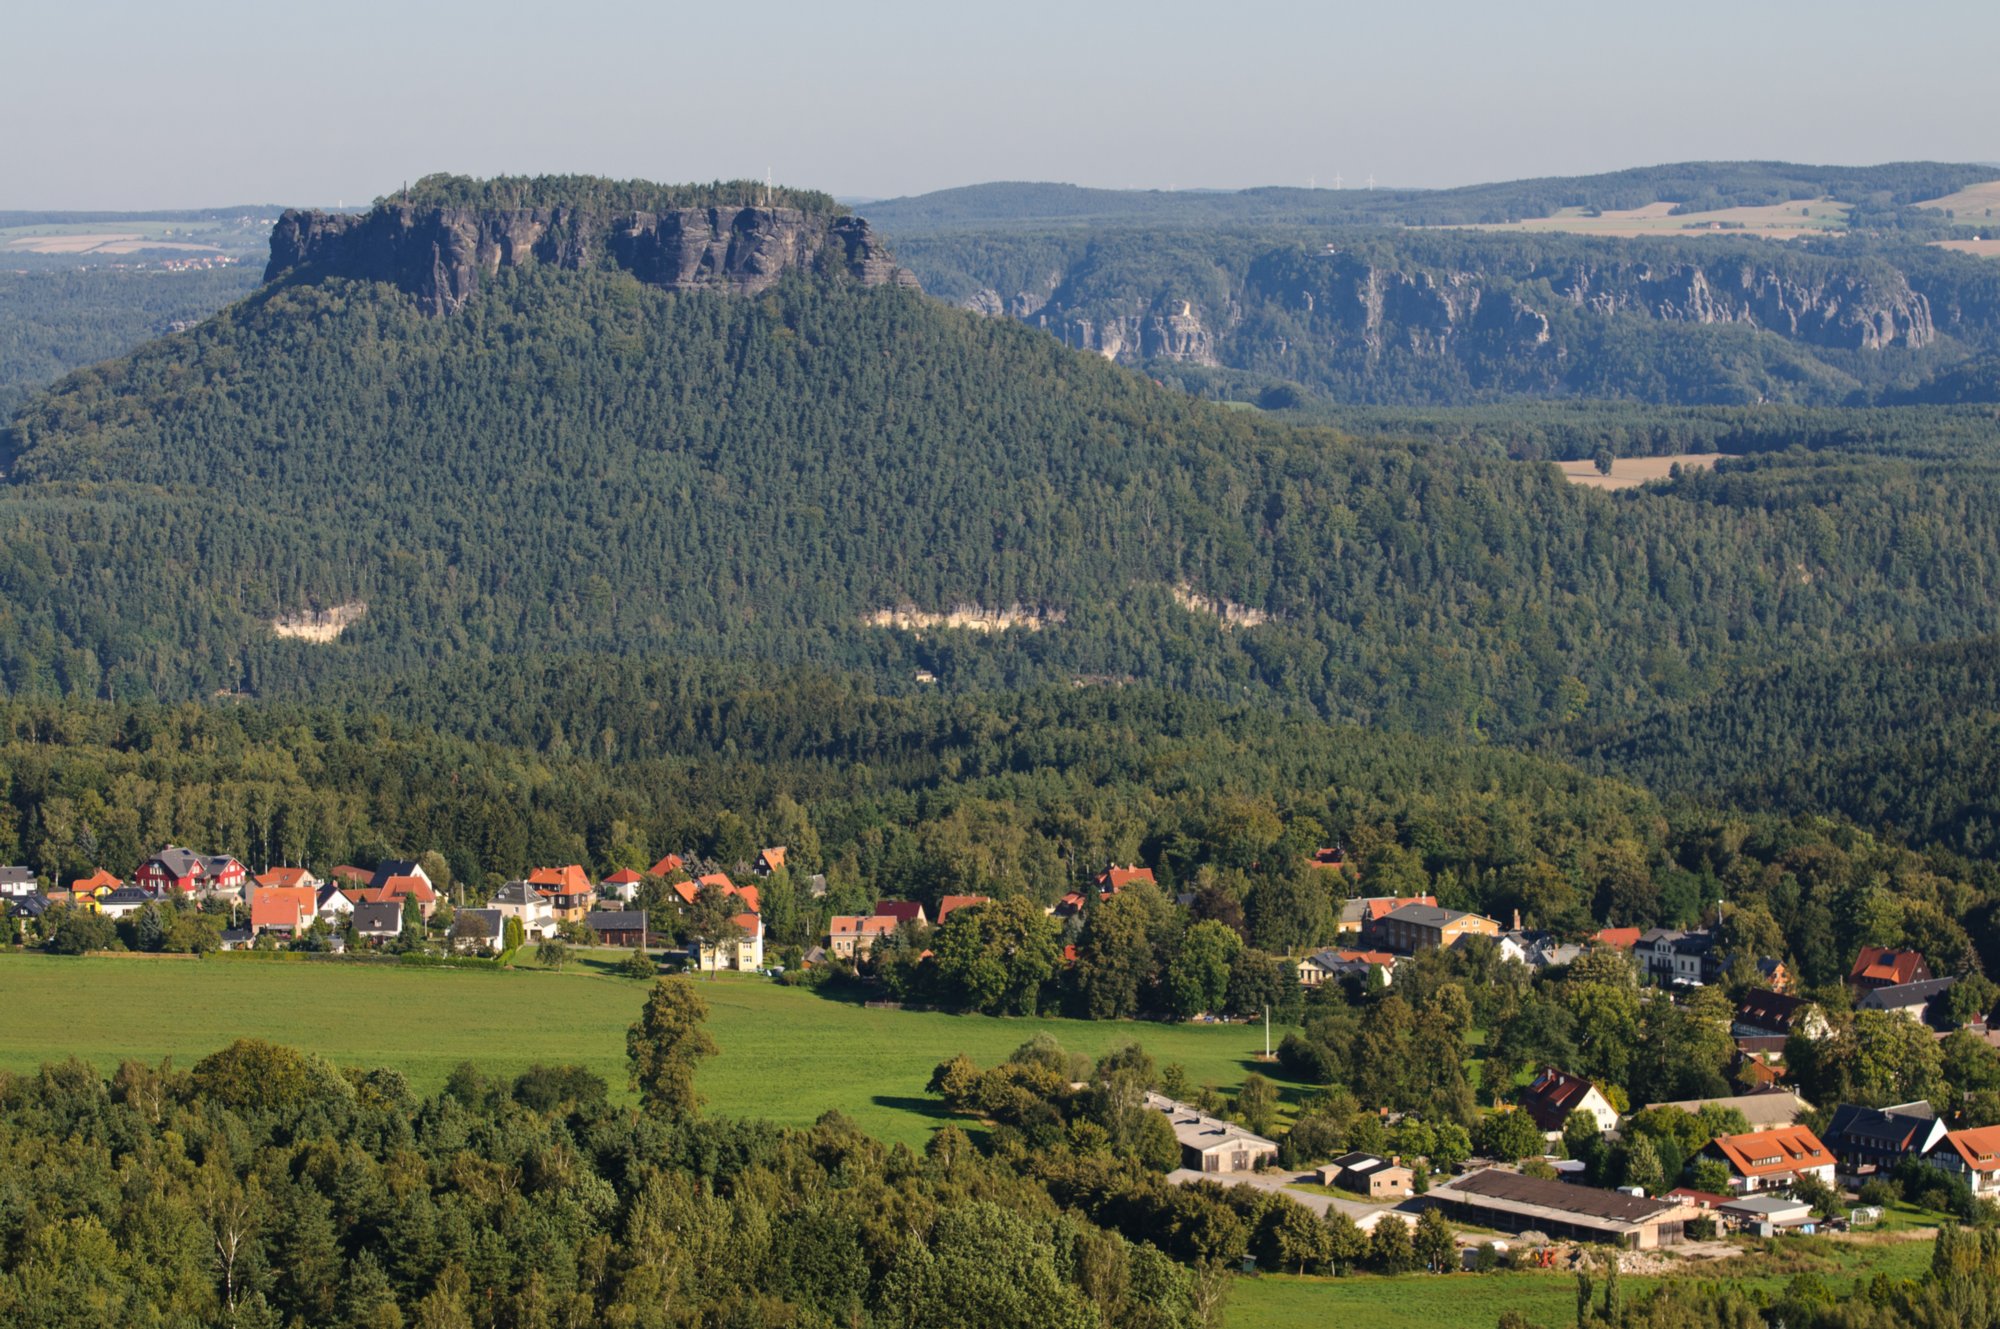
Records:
x=1371, y=179
x=768, y=186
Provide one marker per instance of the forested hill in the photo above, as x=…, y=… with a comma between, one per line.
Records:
x=1906, y=740
x=54, y=321
x=1692, y=186
x=577, y=460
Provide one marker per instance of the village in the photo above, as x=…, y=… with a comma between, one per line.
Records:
x=1761, y=1160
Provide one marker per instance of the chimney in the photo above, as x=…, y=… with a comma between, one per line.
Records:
x=1517, y=920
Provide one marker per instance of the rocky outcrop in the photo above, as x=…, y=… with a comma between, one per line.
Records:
x=1174, y=332
x=968, y=617
x=440, y=255
x=320, y=625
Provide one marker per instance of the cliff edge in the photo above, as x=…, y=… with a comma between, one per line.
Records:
x=439, y=254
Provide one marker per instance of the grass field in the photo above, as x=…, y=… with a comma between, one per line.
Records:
x=1627, y=472
x=1976, y=248
x=84, y=240
x=1972, y=203
x=1476, y=1301
x=787, y=1054
x=1778, y=221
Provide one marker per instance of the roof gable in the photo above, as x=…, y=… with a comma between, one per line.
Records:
x=1767, y=1153
x=569, y=880
x=378, y=918
x=1881, y=964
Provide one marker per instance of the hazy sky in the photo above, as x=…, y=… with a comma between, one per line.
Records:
x=121, y=104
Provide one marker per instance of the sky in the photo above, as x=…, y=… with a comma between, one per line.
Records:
x=118, y=104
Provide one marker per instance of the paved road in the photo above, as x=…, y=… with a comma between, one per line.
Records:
x=1285, y=1183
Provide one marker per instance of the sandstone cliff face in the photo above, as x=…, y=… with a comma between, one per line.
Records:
x=1357, y=311
x=1843, y=309
x=1177, y=333
x=439, y=255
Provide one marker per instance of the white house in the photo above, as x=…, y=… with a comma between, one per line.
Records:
x=745, y=953
x=1973, y=1155
x=477, y=930
x=517, y=899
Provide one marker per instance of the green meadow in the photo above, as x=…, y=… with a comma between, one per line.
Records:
x=787, y=1055
x=1476, y=1301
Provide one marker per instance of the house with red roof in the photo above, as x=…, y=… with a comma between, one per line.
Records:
x=1973, y=1156
x=950, y=904
x=1773, y=1159
x=1115, y=879
x=398, y=867
x=96, y=886
x=394, y=890
x=286, y=909
x=1618, y=939
x=1882, y=967
x=567, y=889
x=852, y=936
x=1552, y=1097
x=903, y=911
x=688, y=890
x=287, y=877
x=1332, y=856
x=622, y=885
x=769, y=861
x=667, y=866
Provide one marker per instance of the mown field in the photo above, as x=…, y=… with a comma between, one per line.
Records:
x=1778, y=221
x=1476, y=1301
x=787, y=1054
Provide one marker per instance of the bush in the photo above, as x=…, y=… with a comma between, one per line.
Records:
x=638, y=965
x=1881, y=1192
x=1509, y=1136
x=78, y=931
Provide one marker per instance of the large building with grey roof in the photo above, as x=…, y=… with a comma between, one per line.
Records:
x=1210, y=1144
x=1511, y=1202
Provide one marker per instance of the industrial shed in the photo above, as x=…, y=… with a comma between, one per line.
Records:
x=1514, y=1203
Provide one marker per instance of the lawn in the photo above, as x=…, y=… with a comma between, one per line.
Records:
x=786, y=1054
x=1476, y=1301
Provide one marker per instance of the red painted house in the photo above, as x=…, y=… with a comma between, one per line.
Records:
x=184, y=871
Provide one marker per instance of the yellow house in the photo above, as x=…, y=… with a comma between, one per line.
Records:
x=87, y=892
